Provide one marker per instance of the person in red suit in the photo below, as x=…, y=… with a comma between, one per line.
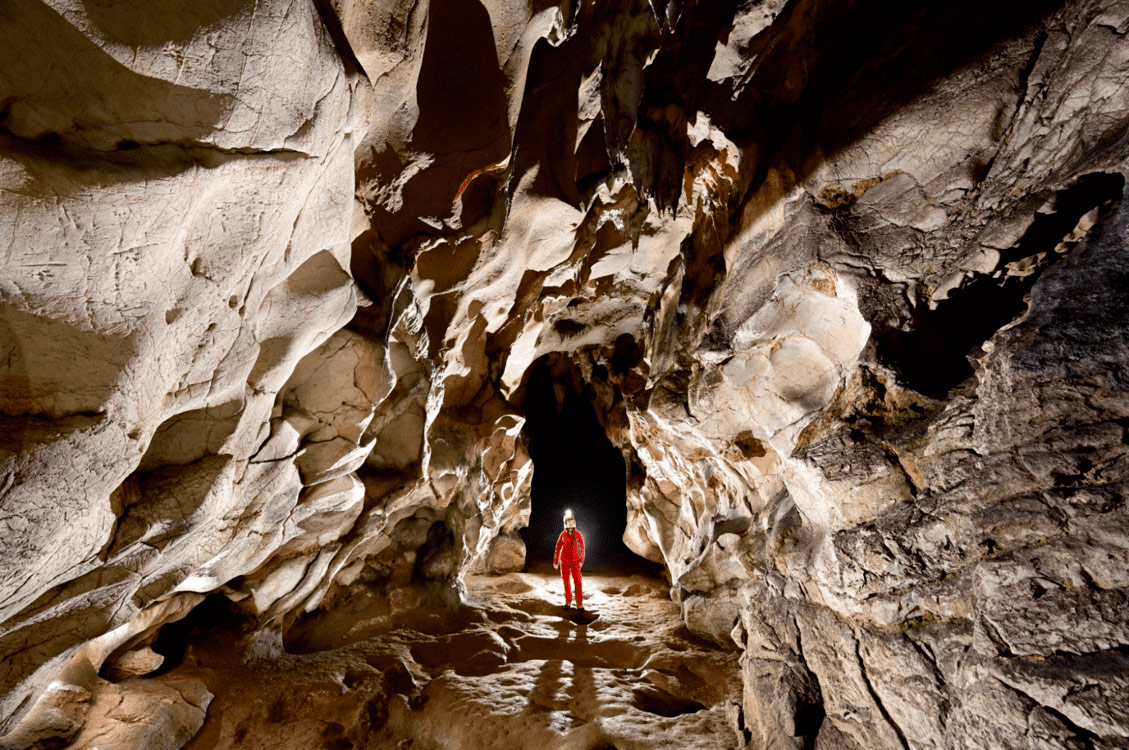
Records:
x=569, y=558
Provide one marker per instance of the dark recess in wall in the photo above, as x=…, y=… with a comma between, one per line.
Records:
x=216, y=620
x=574, y=466
x=932, y=357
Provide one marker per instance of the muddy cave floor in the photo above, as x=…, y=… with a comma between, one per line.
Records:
x=503, y=669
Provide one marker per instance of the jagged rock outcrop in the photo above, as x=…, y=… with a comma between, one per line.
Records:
x=846, y=278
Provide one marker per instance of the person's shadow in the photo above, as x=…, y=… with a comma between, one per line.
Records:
x=577, y=696
x=583, y=690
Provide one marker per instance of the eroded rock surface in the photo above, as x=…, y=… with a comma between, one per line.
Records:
x=504, y=668
x=847, y=280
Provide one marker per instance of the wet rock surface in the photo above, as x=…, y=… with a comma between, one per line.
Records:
x=843, y=282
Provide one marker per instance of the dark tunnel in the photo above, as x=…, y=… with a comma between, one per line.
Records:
x=574, y=466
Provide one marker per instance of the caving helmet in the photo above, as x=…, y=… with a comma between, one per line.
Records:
x=569, y=520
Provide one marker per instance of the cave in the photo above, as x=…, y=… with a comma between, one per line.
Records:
x=315, y=315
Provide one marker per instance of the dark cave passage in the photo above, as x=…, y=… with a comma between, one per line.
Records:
x=574, y=466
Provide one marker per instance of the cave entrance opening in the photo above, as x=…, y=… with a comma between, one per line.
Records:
x=575, y=467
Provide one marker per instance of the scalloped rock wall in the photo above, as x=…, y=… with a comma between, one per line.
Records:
x=847, y=279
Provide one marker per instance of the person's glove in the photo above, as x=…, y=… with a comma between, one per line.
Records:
x=556, y=566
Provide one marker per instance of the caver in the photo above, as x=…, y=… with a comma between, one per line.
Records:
x=569, y=558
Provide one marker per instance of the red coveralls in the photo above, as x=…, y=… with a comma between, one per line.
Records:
x=569, y=554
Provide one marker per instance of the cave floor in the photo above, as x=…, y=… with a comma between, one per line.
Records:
x=502, y=670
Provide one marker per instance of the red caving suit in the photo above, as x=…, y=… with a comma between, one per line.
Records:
x=570, y=553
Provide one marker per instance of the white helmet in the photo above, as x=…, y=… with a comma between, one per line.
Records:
x=569, y=519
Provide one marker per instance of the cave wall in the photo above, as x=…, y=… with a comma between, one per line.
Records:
x=847, y=280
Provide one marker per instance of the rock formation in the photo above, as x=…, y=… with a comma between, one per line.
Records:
x=846, y=279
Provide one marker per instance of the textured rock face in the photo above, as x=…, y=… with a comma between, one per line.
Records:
x=847, y=278
x=176, y=224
